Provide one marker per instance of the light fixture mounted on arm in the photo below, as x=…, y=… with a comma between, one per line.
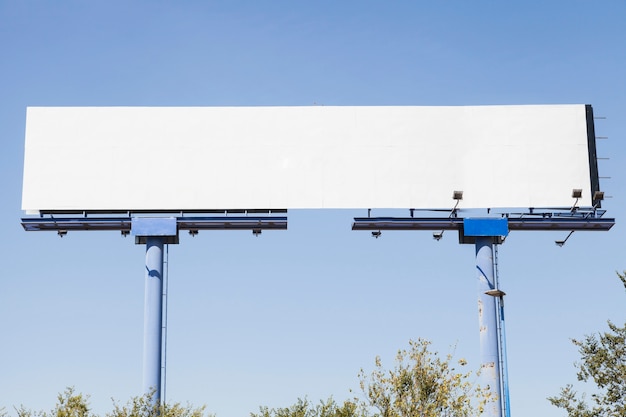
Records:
x=457, y=196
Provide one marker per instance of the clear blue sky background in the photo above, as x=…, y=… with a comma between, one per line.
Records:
x=262, y=321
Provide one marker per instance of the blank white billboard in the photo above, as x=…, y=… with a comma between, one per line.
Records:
x=205, y=158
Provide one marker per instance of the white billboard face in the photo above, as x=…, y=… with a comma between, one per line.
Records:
x=206, y=158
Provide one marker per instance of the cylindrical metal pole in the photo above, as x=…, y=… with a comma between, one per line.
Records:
x=153, y=316
x=488, y=325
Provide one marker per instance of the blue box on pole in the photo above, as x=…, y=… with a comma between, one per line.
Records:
x=486, y=227
x=154, y=226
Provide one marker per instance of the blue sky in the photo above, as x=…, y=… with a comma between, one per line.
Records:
x=262, y=321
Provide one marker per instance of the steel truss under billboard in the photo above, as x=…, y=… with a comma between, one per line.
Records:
x=97, y=158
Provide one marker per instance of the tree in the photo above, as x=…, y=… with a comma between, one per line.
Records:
x=72, y=404
x=422, y=384
x=303, y=408
x=603, y=363
x=143, y=407
x=69, y=404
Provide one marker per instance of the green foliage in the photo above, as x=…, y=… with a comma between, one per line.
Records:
x=143, y=407
x=603, y=362
x=71, y=404
x=303, y=408
x=25, y=412
x=422, y=384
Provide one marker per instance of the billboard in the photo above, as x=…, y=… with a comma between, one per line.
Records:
x=213, y=158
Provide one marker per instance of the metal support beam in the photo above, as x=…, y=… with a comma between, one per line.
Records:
x=444, y=223
x=153, y=318
x=35, y=224
x=488, y=324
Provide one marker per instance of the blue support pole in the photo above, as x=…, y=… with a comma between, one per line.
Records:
x=488, y=325
x=153, y=318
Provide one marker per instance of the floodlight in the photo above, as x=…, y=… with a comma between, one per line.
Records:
x=125, y=232
x=193, y=232
x=577, y=193
x=376, y=234
x=560, y=243
x=598, y=195
x=438, y=235
x=62, y=233
x=457, y=195
x=495, y=293
x=256, y=232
